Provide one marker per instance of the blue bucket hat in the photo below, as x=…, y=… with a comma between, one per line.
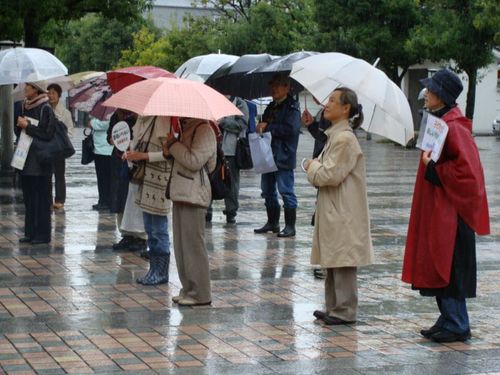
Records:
x=445, y=84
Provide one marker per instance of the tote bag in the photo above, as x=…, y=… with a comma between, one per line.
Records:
x=58, y=147
x=262, y=154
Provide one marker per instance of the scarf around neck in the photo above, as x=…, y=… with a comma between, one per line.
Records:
x=36, y=101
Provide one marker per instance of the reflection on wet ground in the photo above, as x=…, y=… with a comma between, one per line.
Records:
x=73, y=306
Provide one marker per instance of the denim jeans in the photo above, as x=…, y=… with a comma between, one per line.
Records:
x=284, y=179
x=156, y=227
x=454, y=317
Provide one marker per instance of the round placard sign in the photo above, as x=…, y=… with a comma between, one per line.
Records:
x=121, y=135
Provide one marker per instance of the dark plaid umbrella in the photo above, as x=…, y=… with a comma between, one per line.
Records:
x=231, y=79
x=259, y=77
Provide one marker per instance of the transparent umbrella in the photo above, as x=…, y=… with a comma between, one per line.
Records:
x=19, y=65
x=203, y=66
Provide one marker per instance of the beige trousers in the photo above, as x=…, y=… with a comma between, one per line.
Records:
x=341, y=293
x=188, y=227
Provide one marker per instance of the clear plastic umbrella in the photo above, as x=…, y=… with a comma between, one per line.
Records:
x=203, y=66
x=19, y=65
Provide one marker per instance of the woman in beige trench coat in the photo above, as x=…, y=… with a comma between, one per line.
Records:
x=341, y=240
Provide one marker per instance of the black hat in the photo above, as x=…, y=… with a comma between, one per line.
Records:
x=445, y=84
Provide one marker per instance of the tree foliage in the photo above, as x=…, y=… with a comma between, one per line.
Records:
x=463, y=32
x=26, y=19
x=258, y=26
x=370, y=29
x=92, y=42
x=147, y=48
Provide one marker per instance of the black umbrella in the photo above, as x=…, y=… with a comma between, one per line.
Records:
x=260, y=76
x=231, y=79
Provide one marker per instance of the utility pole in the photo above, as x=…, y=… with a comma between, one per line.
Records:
x=6, y=121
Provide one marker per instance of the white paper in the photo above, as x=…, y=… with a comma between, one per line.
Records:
x=23, y=147
x=432, y=135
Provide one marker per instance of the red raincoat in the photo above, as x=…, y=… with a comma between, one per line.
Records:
x=435, y=209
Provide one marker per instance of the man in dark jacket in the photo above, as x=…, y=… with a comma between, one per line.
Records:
x=282, y=119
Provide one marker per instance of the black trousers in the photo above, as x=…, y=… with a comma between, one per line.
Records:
x=37, y=195
x=103, y=172
x=60, y=180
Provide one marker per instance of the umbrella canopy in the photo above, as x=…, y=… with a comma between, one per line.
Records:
x=260, y=76
x=203, y=66
x=120, y=78
x=391, y=116
x=89, y=95
x=232, y=79
x=65, y=82
x=78, y=78
x=173, y=97
x=28, y=65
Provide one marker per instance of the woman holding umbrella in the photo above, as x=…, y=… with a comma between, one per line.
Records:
x=38, y=121
x=341, y=240
x=194, y=156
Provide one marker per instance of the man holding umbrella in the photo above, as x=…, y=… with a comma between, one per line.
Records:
x=282, y=119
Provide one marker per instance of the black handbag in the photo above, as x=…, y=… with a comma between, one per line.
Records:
x=58, y=147
x=136, y=175
x=242, y=155
x=88, y=147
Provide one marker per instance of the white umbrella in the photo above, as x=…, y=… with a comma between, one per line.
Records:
x=203, y=66
x=28, y=65
x=391, y=115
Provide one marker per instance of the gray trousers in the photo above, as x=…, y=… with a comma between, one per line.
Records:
x=341, y=293
x=188, y=226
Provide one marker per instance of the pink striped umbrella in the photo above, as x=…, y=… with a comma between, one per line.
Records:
x=173, y=97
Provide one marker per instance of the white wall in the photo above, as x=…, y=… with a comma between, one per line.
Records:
x=487, y=96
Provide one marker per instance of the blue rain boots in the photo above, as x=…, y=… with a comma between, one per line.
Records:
x=158, y=270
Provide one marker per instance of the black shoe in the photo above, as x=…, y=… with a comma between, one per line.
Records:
x=427, y=333
x=319, y=314
x=334, y=321
x=273, y=219
x=137, y=244
x=25, y=239
x=319, y=273
x=448, y=336
x=123, y=243
x=208, y=218
x=39, y=242
x=231, y=219
x=100, y=207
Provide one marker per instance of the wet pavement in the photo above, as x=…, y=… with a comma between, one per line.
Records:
x=73, y=306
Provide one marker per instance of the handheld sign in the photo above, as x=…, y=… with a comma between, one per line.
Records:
x=121, y=136
x=432, y=135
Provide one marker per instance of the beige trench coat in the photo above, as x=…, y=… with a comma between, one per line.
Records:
x=342, y=224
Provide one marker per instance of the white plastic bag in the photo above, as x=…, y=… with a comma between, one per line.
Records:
x=262, y=154
x=132, y=214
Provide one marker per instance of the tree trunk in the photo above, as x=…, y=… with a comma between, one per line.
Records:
x=471, y=93
x=31, y=32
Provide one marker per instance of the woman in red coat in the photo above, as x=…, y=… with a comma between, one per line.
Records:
x=449, y=207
